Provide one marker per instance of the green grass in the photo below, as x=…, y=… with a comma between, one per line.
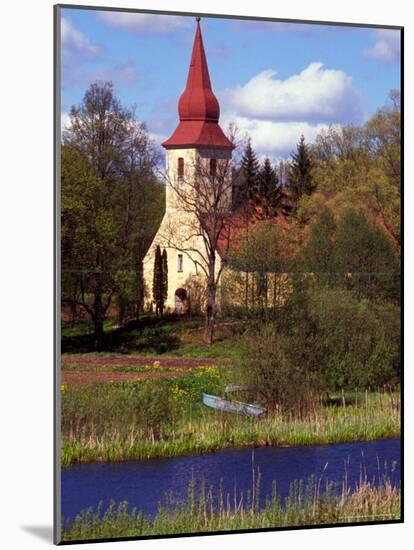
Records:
x=82, y=328
x=176, y=337
x=165, y=418
x=306, y=505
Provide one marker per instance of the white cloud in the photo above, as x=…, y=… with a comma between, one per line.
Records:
x=145, y=23
x=72, y=39
x=315, y=95
x=387, y=46
x=64, y=120
x=274, y=138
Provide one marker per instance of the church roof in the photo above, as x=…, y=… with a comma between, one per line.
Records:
x=198, y=107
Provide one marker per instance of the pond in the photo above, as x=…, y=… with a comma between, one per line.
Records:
x=144, y=484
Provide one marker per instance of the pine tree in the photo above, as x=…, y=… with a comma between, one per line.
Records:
x=164, y=275
x=300, y=181
x=269, y=190
x=248, y=178
x=157, y=284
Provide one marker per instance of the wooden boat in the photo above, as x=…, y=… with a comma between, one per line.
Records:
x=221, y=404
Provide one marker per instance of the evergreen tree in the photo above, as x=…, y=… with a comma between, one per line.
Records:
x=300, y=181
x=269, y=190
x=247, y=191
x=157, y=284
x=164, y=275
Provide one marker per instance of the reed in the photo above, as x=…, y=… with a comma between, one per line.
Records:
x=110, y=423
x=208, y=511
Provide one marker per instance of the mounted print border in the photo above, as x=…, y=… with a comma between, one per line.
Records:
x=228, y=261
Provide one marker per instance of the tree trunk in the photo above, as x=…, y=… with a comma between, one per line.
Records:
x=98, y=319
x=211, y=307
x=139, y=287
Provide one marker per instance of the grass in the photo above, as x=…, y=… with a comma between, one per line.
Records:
x=306, y=505
x=165, y=418
x=171, y=335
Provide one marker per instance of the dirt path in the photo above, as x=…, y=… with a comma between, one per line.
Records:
x=89, y=369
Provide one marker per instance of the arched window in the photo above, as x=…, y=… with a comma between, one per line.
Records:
x=213, y=167
x=180, y=167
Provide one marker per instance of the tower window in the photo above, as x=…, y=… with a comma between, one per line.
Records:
x=180, y=263
x=213, y=167
x=180, y=167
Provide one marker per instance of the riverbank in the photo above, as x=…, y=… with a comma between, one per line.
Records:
x=307, y=505
x=115, y=422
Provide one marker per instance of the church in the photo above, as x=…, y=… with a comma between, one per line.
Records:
x=198, y=149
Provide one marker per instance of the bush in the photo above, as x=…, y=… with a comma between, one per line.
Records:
x=357, y=341
x=272, y=364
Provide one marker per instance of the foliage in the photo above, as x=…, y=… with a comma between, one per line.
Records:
x=158, y=282
x=359, y=167
x=164, y=274
x=365, y=259
x=300, y=177
x=316, y=257
x=108, y=183
x=246, y=190
x=355, y=341
x=270, y=194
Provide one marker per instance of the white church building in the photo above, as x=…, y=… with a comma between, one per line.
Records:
x=197, y=141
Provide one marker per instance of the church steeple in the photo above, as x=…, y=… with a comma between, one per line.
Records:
x=198, y=107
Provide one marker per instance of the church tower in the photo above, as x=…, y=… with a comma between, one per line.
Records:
x=198, y=145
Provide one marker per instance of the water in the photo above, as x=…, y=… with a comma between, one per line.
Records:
x=144, y=483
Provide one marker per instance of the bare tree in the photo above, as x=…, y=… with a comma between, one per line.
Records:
x=202, y=227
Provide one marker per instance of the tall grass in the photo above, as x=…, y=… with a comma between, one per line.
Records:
x=151, y=420
x=307, y=504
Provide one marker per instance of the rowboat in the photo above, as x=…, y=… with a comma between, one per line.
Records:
x=221, y=404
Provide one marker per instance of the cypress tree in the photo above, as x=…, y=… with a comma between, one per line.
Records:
x=299, y=178
x=164, y=275
x=157, y=284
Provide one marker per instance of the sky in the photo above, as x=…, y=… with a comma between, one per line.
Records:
x=275, y=80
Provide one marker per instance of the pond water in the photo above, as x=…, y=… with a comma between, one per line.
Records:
x=144, y=483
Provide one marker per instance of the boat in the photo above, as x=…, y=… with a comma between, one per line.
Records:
x=218, y=403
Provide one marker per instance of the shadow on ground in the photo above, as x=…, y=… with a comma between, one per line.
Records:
x=43, y=532
x=148, y=335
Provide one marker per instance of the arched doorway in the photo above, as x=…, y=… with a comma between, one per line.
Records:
x=181, y=301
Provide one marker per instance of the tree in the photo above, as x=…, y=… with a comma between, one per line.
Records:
x=248, y=182
x=360, y=167
x=365, y=259
x=158, y=282
x=98, y=182
x=265, y=254
x=269, y=191
x=164, y=275
x=300, y=179
x=202, y=230
x=317, y=255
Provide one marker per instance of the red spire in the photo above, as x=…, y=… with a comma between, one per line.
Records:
x=198, y=101
x=198, y=107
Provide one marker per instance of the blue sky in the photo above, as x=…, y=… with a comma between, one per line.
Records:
x=275, y=80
